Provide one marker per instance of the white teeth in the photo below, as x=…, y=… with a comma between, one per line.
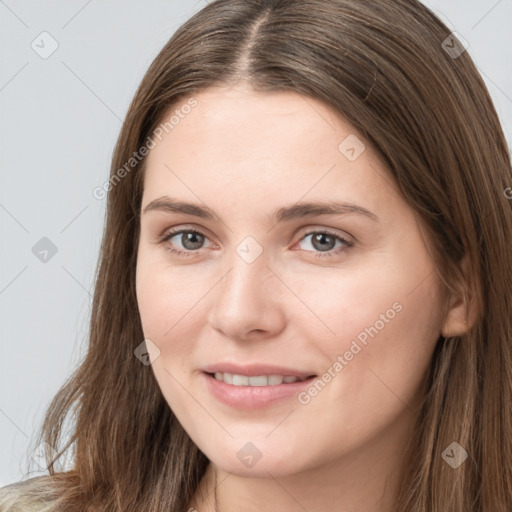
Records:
x=240, y=380
x=257, y=380
x=274, y=380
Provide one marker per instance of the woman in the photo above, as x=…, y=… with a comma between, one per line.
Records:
x=304, y=292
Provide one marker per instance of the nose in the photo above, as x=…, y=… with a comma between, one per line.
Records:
x=248, y=301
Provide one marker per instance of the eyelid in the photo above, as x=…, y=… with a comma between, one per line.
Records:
x=324, y=229
x=308, y=230
x=183, y=227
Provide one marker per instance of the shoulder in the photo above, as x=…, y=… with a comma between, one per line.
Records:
x=32, y=495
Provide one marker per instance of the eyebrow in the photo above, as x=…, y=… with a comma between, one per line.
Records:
x=296, y=211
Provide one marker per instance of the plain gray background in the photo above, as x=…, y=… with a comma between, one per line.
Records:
x=60, y=118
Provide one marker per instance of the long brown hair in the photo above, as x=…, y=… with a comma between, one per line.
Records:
x=390, y=69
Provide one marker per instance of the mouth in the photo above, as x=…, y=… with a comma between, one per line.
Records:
x=249, y=392
x=234, y=379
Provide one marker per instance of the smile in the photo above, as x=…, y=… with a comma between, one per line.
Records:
x=257, y=380
x=255, y=391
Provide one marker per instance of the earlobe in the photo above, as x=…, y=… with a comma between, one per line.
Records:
x=461, y=308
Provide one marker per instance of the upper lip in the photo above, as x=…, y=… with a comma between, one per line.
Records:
x=254, y=369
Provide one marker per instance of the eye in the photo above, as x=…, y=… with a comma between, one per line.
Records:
x=323, y=243
x=190, y=239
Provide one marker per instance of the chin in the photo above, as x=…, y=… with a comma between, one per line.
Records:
x=256, y=459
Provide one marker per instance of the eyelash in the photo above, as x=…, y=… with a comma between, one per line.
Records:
x=327, y=254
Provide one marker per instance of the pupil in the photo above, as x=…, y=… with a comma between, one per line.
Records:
x=189, y=237
x=322, y=237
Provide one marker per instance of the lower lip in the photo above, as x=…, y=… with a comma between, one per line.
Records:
x=253, y=397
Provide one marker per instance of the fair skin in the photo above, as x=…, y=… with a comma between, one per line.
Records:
x=243, y=155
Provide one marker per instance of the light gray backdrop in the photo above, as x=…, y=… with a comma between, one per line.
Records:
x=68, y=71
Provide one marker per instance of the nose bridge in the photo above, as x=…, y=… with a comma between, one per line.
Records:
x=242, y=302
x=247, y=273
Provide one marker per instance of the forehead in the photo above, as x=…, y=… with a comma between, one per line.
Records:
x=280, y=144
x=244, y=118
x=238, y=120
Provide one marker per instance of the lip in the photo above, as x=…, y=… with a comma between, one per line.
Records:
x=254, y=369
x=253, y=397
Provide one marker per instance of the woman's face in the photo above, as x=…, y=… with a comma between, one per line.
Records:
x=268, y=286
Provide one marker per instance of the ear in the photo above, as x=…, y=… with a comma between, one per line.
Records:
x=461, y=308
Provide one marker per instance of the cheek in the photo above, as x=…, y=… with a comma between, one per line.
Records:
x=375, y=361
x=155, y=290
x=343, y=304
x=166, y=307
x=384, y=320
x=170, y=301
